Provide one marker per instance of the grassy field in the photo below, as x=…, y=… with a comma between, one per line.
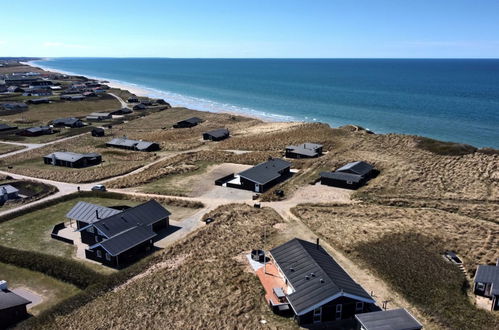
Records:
x=157, y=127
x=215, y=290
x=404, y=246
x=63, y=133
x=6, y=148
x=41, y=114
x=52, y=290
x=32, y=231
x=30, y=189
x=115, y=161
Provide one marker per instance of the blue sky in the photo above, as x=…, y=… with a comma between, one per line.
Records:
x=257, y=28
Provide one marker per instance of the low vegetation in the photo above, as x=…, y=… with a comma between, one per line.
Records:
x=6, y=148
x=115, y=161
x=445, y=148
x=51, y=290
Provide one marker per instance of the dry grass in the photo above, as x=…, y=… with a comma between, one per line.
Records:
x=185, y=163
x=6, y=148
x=116, y=162
x=41, y=114
x=200, y=284
x=157, y=127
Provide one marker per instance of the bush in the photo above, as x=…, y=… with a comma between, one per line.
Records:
x=58, y=267
x=445, y=148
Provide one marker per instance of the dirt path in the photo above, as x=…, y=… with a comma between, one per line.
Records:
x=123, y=103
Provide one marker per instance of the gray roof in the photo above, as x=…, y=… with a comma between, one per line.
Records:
x=38, y=129
x=126, y=240
x=355, y=178
x=299, y=259
x=100, y=114
x=218, y=133
x=9, y=299
x=71, y=156
x=266, y=171
x=488, y=274
x=394, y=319
x=144, y=214
x=193, y=120
x=86, y=212
x=303, y=151
x=65, y=121
x=360, y=168
x=8, y=189
x=136, y=144
x=4, y=127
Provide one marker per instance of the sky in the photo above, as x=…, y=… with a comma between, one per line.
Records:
x=251, y=29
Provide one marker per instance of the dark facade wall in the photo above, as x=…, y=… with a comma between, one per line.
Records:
x=90, y=238
x=341, y=183
x=92, y=255
x=160, y=225
x=11, y=316
x=124, y=258
x=348, y=311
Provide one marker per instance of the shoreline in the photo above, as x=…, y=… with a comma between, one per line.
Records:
x=172, y=98
x=141, y=91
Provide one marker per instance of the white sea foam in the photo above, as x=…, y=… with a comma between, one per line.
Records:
x=176, y=99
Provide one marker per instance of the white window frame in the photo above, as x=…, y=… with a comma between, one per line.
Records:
x=339, y=312
x=317, y=315
x=99, y=253
x=108, y=257
x=480, y=286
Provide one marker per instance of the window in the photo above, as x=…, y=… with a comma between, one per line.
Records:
x=90, y=229
x=339, y=308
x=349, y=182
x=97, y=239
x=108, y=257
x=359, y=306
x=99, y=254
x=317, y=315
x=480, y=286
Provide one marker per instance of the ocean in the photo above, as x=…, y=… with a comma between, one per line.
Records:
x=447, y=99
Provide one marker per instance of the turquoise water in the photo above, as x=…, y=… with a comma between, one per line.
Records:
x=451, y=100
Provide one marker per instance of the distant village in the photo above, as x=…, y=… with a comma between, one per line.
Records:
x=299, y=278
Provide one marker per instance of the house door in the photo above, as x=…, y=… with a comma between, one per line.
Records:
x=318, y=315
x=257, y=187
x=339, y=309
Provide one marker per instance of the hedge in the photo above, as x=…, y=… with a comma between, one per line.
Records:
x=64, y=269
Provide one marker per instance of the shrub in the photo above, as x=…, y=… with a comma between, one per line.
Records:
x=445, y=148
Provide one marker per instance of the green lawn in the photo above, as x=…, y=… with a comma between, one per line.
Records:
x=52, y=290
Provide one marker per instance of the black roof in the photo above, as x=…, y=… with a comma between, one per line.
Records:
x=98, y=129
x=360, y=168
x=347, y=177
x=126, y=240
x=66, y=121
x=9, y=299
x=4, y=127
x=394, y=319
x=193, y=120
x=38, y=129
x=315, y=276
x=266, y=171
x=143, y=214
x=218, y=133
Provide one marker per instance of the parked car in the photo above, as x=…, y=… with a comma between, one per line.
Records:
x=99, y=187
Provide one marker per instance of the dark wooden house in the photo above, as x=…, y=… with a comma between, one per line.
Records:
x=67, y=122
x=486, y=283
x=7, y=128
x=133, y=99
x=315, y=286
x=216, y=134
x=265, y=175
x=350, y=176
x=305, y=150
x=191, y=122
x=121, y=238
x=36, y=131
x=71, y=159
x=139, y=107
x=98, y=132
x=8, y=192
x=12, y=307
x=124, y=143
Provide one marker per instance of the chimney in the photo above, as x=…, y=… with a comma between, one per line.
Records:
x=317, y=244
x=97, y=214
